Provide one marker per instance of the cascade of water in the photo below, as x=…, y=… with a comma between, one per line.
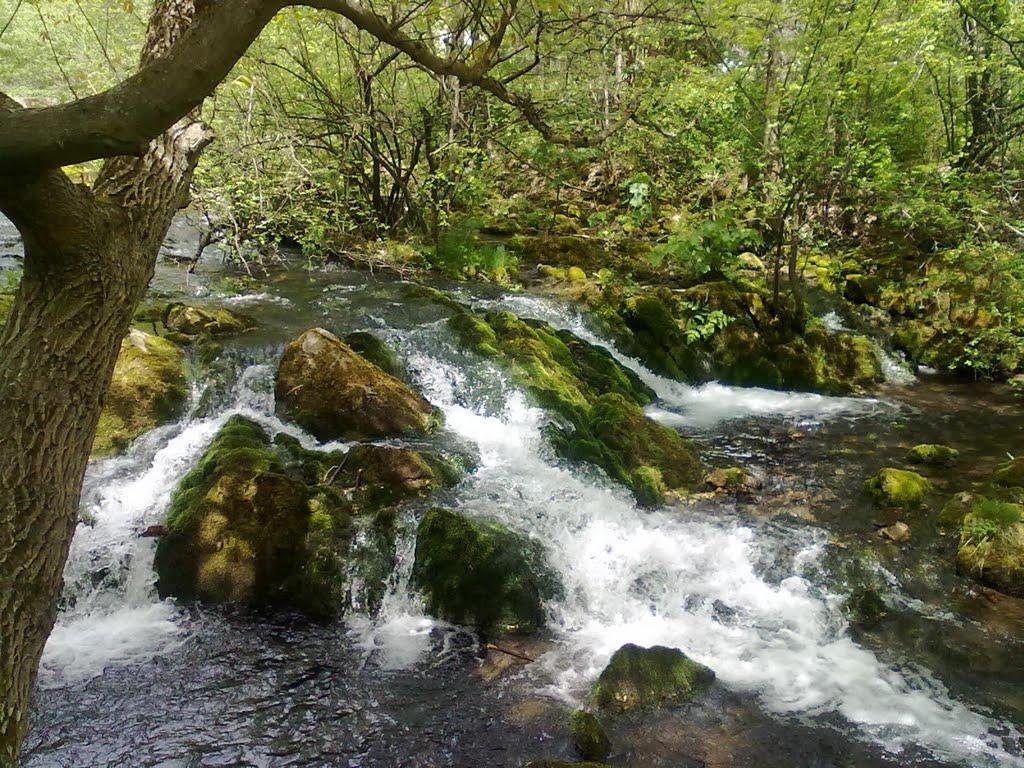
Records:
x=688, y=580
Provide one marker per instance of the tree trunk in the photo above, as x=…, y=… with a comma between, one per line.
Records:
x=89, y=256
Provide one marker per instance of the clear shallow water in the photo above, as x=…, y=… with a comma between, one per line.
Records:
x=751, y=592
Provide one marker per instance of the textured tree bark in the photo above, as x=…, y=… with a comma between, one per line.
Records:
x=89, y=256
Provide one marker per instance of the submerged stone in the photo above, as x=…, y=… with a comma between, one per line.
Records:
x=481, y=573
x=332, y=392
x=897, y=488
x=588, y=736
x=148, y=388
x=649, y=678
x=931, y=453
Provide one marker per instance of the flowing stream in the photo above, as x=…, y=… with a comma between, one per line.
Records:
x=752, y=589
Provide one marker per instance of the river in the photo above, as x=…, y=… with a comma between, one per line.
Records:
x=752, y=587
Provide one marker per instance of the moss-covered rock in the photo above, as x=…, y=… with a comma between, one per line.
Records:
x=898, y=488
x=645, y=456
x=378, y=352
x=241, y=529
x=205, y=321
x=598, y=400
x=932, y=453
x=649, y=678
x=270, y=523
x=148, y=388
x=480, y=573
x=1010, y=474
x=956, y=508
x=732, y=332
x=332, y=392
x=991, y=546
x=731, y=479
x=588, y=736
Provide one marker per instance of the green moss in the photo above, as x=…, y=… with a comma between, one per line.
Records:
x=433, y=296
x=148, y=388
x=588, y=736
x=897, y=488
x=241, y=529
x=481, y=573
x=377, y=352
x=6, y=302
x=728, y=331
x=647, y=457
x=1010, y=474
x=204, y=321
x=270, y=523
x=332, y=392
x=991, y=547
x=598, y=399
x=931, y=453
x=648, y=678
x=956, y=508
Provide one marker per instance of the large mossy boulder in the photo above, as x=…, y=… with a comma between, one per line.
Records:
x=241, y=529
x=991, y=545
x=899, y=488
x=731, y=331
x=933, y=454
x=191, y=320
x=649, y=678
x=646, y=457
x=598, y=400
x=148, y=388
x=270, y=523
x=480, y=573
x=328, y=389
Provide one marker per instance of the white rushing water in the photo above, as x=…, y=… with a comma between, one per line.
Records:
x=735, y=595
x=115, y=615
x=683, y=405
x=686, y=580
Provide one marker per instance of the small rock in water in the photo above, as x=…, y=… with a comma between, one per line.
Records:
x=153, y=532
x=650, y=678
x=897, y=532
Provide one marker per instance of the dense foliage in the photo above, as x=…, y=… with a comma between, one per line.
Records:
x=873, y=149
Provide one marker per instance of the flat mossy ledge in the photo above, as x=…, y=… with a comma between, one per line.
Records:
x=148, y=388
x=597, y=402
x=332, y=392
x=899, y=488
x=480, y=573
x=271, y=524
x=639, y=678
x=750, y=346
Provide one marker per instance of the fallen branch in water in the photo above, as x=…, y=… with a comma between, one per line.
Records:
x=493, y=647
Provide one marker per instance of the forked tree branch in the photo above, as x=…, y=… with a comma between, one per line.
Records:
x=124, y=119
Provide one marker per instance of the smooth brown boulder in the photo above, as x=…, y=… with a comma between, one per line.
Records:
x=329, y=390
